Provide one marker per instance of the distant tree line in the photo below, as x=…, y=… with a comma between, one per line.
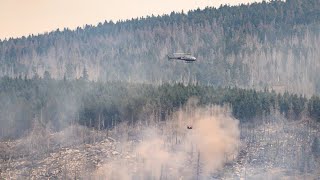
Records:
x=58, y=103
x=253, y=45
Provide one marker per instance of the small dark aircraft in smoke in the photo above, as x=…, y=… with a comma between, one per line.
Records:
x=187, y=57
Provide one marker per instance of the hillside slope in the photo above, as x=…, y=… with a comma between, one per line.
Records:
x=272, y=45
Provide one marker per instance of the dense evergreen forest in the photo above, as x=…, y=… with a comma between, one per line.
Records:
x=270, y=44
x=55, y=104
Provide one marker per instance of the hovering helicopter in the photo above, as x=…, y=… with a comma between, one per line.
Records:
x=187, y=57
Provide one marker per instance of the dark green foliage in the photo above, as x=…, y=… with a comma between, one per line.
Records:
x=298, y=104
x=314, y=107
x=284, y=103
x=291, y=105
x=103, y=105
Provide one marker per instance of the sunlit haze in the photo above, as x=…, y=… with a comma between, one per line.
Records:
x=21, y=18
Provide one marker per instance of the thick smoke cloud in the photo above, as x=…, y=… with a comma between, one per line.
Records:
x=171, y=151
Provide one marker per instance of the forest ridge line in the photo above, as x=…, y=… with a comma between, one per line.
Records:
x=267, y=44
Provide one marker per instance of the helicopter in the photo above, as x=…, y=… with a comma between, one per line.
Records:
x=187, y=57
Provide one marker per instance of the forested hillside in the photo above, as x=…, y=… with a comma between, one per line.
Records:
x=104, y=102
x=55, y=104
x=270, y=44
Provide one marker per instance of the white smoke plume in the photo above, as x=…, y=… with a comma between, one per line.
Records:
x=170, y=150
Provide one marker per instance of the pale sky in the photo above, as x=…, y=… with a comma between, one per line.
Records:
x=23, y=17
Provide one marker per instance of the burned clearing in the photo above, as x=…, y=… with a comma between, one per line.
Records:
x=275, y=148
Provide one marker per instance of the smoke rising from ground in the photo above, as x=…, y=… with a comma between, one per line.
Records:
x=274, y=148
x=169, y=150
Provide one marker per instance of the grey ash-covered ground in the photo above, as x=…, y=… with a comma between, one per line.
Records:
x=275, y=149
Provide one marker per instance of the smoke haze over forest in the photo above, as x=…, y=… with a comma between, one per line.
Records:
x=95, y=101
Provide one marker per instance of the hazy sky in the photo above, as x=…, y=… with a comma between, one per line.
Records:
x=24, y=17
